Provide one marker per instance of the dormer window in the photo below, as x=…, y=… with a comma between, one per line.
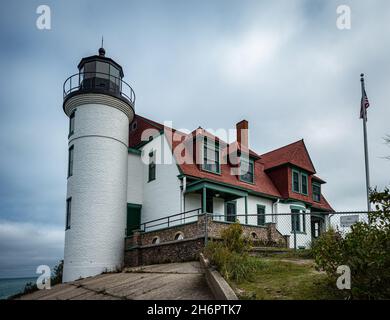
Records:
x=247, y=170
x=316, y=190
x=300, y=182
x=211, y=160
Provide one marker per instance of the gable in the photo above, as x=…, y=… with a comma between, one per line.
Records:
x=294, y=153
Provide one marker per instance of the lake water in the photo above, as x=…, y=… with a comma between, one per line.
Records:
x=9, y=287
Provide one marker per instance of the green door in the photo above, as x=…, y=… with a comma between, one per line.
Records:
x=133, y=218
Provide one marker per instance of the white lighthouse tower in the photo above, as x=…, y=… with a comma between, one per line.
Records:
x=100, y=106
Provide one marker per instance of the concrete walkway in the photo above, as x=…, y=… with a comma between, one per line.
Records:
x=173, y=281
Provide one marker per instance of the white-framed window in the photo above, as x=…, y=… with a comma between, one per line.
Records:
x=247, y=170
x=316, y=190
x=211, y=156
x=68, y=213
x=70, y=161
x=71, y=122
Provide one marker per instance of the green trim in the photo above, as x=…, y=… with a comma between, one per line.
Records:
x=317, y=184
x=248, y=191
x=246, y=210
x=253, y=173
x=263, y=207
x=307, y=183
x=204, y=196
x=134, y=151
x=298, y=232
x=298, y=206
x=196, y=186
x=292, y=181
x=235, y=206
x=134, y=205
x=216, y=148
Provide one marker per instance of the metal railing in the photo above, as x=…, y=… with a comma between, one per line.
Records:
x=302, y=228
x=170, y=221
x=98, y=81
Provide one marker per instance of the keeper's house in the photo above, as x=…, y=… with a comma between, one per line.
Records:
x=125, y=170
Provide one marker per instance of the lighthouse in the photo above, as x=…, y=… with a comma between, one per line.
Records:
x=100, y=107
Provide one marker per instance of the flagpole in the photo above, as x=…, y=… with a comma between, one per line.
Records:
x=366, y=146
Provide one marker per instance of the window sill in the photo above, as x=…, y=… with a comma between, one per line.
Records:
x=299, y=232
x=213, y=172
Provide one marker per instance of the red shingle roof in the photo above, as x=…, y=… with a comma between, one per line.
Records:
x=295, y=153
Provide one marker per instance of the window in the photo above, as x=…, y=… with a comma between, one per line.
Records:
x=156, y=240
x=300, y=182
x=68, y=213
x=210, y=157
x=304, y=183
x=70, y=161
x=179, y=236
x=71, y=123
x=295, y=177
x=247, y=170
x=260, y=215
x=295, y=220
x=316, y=188
x=152, y=166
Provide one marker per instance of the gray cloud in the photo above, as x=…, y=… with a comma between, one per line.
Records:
x=283, y=65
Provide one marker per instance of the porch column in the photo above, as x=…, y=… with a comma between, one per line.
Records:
x=204, y=200
x=246, y=210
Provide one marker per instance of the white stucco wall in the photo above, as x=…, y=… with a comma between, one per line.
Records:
x=94, y=243
x=283, y=224
x=161, y=197
x=135, y=179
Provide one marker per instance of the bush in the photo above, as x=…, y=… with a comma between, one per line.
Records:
x=230, y=255
x=366, y=250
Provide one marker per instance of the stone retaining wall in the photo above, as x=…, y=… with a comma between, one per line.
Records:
x=160, y=246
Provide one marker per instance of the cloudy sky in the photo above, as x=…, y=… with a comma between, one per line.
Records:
x=282, y=65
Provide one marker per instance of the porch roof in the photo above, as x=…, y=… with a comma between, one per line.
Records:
x=199, y=185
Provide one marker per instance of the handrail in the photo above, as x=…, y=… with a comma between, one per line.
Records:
x=123, y=88
x=168, y=220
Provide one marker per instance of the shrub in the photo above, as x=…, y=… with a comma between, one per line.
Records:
x=230, y=255
x=366, y=250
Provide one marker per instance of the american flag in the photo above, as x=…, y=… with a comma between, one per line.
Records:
x=364, y=105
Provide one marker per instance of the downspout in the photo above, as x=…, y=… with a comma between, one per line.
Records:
x=183, y=191
x=275, y=211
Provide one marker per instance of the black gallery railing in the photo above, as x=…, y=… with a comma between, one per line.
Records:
x=98, y=82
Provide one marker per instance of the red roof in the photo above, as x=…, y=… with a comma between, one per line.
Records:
x=295, y=154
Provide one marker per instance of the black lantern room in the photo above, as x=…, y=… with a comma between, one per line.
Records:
x=99, y=74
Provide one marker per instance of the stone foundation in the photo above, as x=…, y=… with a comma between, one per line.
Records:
x=160, y=246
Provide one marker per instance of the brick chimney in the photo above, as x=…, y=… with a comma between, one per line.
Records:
x=242, y=134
